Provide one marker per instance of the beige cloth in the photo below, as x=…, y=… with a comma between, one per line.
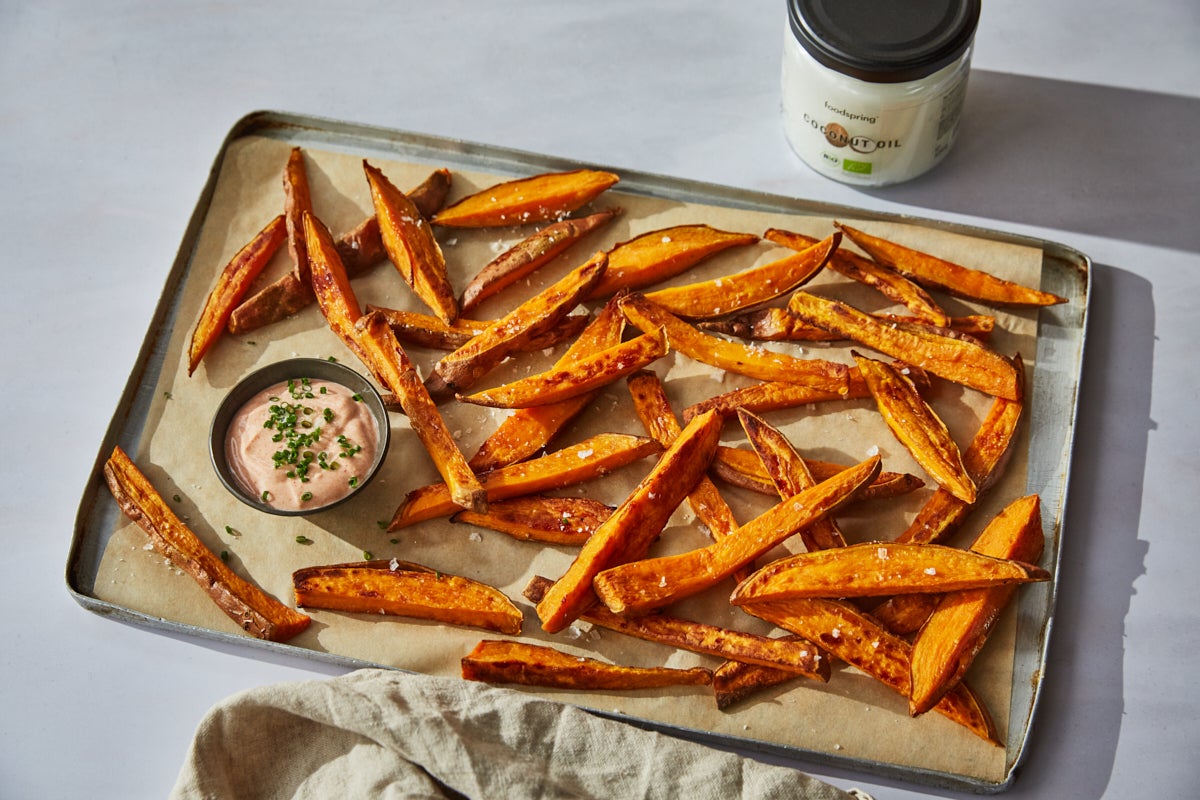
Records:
x=383, y=734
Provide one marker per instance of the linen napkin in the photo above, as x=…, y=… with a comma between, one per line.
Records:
x=378, y=733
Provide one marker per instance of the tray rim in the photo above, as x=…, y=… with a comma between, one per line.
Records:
x=505, y=159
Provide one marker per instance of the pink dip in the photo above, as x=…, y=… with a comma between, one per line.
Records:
x=301, y=444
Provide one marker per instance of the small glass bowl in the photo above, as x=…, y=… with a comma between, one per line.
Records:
x=315, y=369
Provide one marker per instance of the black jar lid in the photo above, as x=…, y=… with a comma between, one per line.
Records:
x=884, y=41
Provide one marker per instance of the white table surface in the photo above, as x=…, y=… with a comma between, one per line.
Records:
x=1081, y=127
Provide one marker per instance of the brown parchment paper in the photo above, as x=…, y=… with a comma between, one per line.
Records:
x=850, y=717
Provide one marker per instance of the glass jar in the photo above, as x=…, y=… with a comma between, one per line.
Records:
x=873, y=89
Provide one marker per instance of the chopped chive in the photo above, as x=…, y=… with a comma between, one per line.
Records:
x=302, y=539
x=367, y=555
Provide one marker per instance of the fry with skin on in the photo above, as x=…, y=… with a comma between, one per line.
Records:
x=958, y=628
x=734, y=681
x=458, y=371
x=591, y=458
x=984, y=460
x=958, y=360
x=750, y=287
x=790, y=476
x=528, y=431
x=406, y=590
x=397, y=373
x=637, y=522
x=888, y=282
x=917, y=426
x=776, y=395
x=744, y=469
x=781, y=325
x=541, y=198
x=297, y=202
x=654, y=256
x=734, y=356
x=654, y=410
x=331, y=286
x=794, y=656
x=376, y=346
x=537, y=665
x=956, y=279
x=583, y=376
x=541, y=518
x=849, y=634
x=529, y=255
x=411, y=246
x=426, y=330
x=643, y=586
x=359, y=248
x=232, y=285
x=256, y=612
x=881, y=568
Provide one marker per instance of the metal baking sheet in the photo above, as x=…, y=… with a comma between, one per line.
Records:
x=1060, y=342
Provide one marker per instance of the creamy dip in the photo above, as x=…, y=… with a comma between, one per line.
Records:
x=301, y=444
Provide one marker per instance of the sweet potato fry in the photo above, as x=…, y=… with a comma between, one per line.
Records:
x=529, y=255
x=425, y=330
x=734, y=356
x=917, y=426
x=256, y=612
x=297, y=202
x=231, y=286
x=888, y=282
x=580, y=462
x=655, y=256
x=744, y=468
x=735, y=681
x=855, y=638
x=582, y=377
x=768, y=325
x=398, y=374
x=360, y=249
x=984, y=460
x=959, y=360
x=458, y=371
x=637, y=522
x=411, y=246
x=776, y=395
x=790, y=476
x=654, y=410
x=781, y=325
x=646, y=585
x=750, y=287
x=956, y=279
x=959, y=627
x=537, y=665
x=541, y=198
x=881, y=568
x=794, y=656
x=399, y=589
x=376, y=346
x=541, y=518
x=331, y=286
x=529, y=430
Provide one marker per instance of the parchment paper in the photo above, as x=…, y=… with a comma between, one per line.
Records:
x=852, y=716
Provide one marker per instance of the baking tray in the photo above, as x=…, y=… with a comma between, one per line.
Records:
x=1050, y=419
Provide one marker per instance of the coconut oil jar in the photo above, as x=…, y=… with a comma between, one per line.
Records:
x=873, y=89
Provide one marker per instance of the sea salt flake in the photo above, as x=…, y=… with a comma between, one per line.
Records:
x=930, y=571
